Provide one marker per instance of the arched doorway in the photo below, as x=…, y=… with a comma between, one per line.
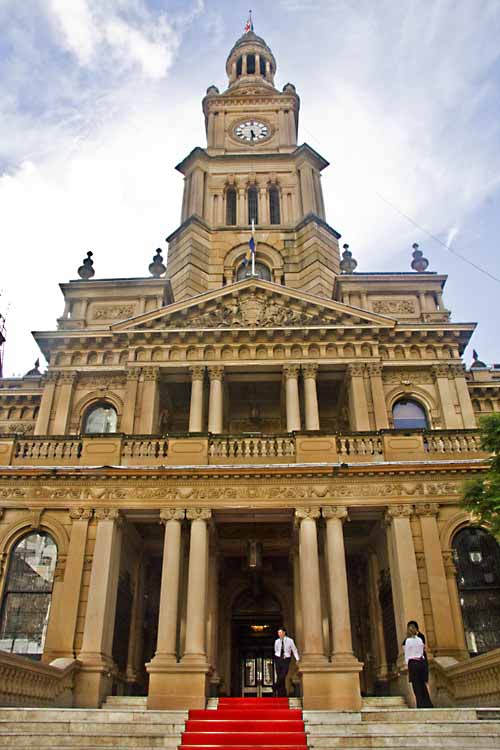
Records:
x=477, y=557
x=256, y=615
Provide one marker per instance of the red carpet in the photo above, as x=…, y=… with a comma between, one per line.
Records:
x=244, y=723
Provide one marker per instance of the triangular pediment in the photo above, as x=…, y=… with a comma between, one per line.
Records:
x=253, y=304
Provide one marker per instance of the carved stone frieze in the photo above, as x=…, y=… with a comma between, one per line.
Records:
x=20, y=428
x=103, y=381
x=407, y=377
x=112, y=312
x=394, y=306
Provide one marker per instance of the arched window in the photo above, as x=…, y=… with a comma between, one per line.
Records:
x=477, y=557
x=99, y=418
x=28, y=590
x=250, y=64
x=231, y=206
x=253, y=204
x=409, y=415
x=239, y=66
x=262, y=66
x=274, y=205
x=261, y=270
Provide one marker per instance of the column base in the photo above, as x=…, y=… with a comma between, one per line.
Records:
x=333, y=686
x=176, y=686
x=93, y=681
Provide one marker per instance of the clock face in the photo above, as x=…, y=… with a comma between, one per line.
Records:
x=251, y=131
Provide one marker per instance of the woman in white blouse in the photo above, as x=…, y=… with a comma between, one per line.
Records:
x=414, y=656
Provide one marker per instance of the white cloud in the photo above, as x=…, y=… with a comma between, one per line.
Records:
x=80, y=33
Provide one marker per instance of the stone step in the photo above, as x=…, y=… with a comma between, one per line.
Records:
x=82, y=727
x=411, y=714
x=417, y=742
x=92, y=714
x=125, y=703
x=383, y=701
x=84, y=741
x=413, y=729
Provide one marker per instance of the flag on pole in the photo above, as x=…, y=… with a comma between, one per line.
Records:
x=250, y=253
x=249, y=23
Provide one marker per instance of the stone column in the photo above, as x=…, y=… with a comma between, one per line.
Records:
x=454, y=597
x=403, y=565
x=358, y=405
x=129, y=406
x=166, y=650
x=291, y=374
x=310, y=585
x=451, y=419
x=376, y=618
x=309, y=373
x=263, y=206
x=241, y=209
x=215, y=404
x=213, y=614
x=378, y=396
x=337, y=583
x=468, y=416
x=135, y=652
x=196, y=405
x=148, y=424
x=65, y=387
x=195, y=649
x=60, y=640
x=43, y=419
x=94, y=679
x=444, y=630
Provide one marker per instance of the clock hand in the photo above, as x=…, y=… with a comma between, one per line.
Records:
x=252, y=134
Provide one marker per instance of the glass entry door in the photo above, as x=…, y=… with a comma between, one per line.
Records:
x=257, y=674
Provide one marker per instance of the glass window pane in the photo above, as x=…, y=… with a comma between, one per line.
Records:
x=274, y=206
x=409, y=415
x=26, y=603
x=231, y=207
x=253, y=205
x=101, y=418
x=261, y=270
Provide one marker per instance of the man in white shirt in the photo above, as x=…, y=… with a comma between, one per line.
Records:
x=284, y=647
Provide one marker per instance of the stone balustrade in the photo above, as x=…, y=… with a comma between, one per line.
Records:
x=24, y=682
x=203, y=449
x=254, y=449
x=474, y=682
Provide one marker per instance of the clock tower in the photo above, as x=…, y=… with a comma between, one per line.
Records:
x=252, y=170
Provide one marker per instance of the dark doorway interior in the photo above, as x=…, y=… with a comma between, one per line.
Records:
x=256, y=616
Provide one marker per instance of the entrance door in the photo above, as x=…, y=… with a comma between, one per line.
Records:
x=256, y=616
x=257, y=673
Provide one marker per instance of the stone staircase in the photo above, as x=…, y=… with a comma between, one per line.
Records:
x=124, y=724
x=384, y=724
x=118, y=726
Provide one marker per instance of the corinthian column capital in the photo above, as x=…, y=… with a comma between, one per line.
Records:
x=172, y=514
x=310, y=370
x=215, y=372
x=427, y=509
x=198, y=514
x=398, y=511
x=335, y=511
x=197, y=372
x=302, y=513
x=291, y=371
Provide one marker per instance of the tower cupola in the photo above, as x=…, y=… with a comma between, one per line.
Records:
x=250, y=61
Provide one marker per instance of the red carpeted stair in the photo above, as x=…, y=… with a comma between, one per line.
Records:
x=245, y=723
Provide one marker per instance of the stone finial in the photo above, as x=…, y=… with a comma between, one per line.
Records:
x=476, y=362
x=348, y=263
x=212, y=90
x=157, y=268
x=35, y=371
x=419, y=263
x=86, y=271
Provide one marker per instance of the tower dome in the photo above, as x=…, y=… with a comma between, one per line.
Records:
x=250, y=60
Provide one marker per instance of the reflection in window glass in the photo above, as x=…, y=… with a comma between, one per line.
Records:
x=101, y=418
x=26, y=601
x=477, y=559
x=261, y=271
x=409, y=415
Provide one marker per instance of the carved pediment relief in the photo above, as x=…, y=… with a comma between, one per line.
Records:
x=253, y=304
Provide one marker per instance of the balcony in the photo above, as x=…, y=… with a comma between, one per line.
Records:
x=206, y=449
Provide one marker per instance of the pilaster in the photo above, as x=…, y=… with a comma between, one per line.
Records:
x=358, y=405
x=150, y=401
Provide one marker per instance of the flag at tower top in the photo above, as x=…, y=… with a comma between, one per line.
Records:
x=249, y=23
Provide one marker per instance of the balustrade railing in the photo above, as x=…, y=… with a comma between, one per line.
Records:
x=246, y=448
x=150, y=450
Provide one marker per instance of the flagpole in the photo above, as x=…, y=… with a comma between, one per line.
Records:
x=254, y=249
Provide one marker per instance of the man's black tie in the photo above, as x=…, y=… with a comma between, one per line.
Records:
x=282, y=655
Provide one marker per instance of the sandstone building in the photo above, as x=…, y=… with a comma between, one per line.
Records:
x=224, y=447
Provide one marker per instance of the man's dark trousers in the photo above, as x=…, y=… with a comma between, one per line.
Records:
x=282, y=666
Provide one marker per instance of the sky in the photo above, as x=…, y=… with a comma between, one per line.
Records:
x=100, y=99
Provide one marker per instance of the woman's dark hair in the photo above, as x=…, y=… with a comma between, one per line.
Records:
x=413, y=622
